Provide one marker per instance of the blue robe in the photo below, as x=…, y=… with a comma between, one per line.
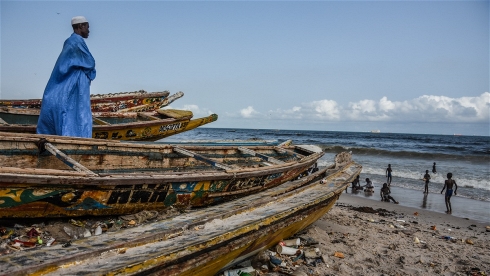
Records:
x=65, y=108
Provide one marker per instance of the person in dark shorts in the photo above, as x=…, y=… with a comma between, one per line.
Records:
x=434, y=168
x=388, y=174
x=385, y=194
x=426, y=179
x=356, y=185
x=449, y=183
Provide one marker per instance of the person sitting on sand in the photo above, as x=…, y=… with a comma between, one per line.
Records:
x=426, y=179
x=388, y=174
x=369, y=186
x=356, y=185
x=385, y=194
x=449, y=192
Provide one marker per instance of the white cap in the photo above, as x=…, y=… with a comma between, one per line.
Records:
x=78, y=19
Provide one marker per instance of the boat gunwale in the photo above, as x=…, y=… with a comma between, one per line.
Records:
x=95, y=98
x=71, y=178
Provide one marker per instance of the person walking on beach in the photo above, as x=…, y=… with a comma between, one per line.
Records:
x=385, y=194
x=449, y=191
x=426, y=179
x=388, y=174
x=65, y=108
x=434, y=168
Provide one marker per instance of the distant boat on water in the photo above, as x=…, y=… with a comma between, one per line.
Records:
x=375, y=131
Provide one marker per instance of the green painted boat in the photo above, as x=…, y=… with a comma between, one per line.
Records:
x=53, y=176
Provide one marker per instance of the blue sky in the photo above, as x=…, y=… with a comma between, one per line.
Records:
x=396, y=66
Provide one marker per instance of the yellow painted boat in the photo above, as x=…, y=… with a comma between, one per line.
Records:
x=200, y=242
x=128, y=126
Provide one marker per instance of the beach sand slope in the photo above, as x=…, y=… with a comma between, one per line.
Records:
x=380, y=238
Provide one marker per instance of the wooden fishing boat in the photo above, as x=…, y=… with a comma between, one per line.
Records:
x=63, y=176
x=129, y=126
x=225, y=142
x=114, y=102
x=200, y=242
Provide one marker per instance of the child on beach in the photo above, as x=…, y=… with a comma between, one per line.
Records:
x=388, y=174
x=434, y=168
x=449, y=192
x=356, y=185
x=385, y=194
x=426, y=179
x=369, y=186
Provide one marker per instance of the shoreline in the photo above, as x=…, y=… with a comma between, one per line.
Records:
x=424, y=215
x=464, y=208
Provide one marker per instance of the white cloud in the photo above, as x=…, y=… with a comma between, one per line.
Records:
x=386, y=105
x=290, y=114
x=324, y=109
x=422, y=109
x=248, y=112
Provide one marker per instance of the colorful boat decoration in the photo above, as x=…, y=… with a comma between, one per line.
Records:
x=113, y=102
x=128, y=126
x=200, y=242
x=54, y=176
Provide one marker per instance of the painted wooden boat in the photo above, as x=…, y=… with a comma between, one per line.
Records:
x=114, y=102
x=200, y=242
x=67, y=176
x=128, y=126
x=224, y=142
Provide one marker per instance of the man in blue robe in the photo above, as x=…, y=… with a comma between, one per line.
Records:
x=65, y=108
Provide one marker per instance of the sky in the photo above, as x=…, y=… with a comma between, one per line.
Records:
x=393, y=66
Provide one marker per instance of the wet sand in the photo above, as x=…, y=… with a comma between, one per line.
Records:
x=434, y=201
x=397, y=240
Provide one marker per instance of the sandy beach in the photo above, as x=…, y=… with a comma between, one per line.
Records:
x=379, y=238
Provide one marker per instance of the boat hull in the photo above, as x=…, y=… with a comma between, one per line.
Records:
x=201, y=242
x=113, y=102
x=133, y=127
x=128, y=177
x=151, y=130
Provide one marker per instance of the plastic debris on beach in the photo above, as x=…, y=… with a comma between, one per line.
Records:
x=17, y=237
x=295, y=256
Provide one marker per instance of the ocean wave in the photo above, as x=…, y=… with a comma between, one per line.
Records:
x=404, y=154
x=436, y=179
x=434, y=186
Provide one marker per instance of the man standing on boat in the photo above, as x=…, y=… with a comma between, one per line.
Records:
x=65, y=108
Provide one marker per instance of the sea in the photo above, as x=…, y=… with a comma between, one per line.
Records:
x=410, y=155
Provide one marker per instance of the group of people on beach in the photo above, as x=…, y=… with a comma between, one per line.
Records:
x=369, y=188
x=385, y=190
